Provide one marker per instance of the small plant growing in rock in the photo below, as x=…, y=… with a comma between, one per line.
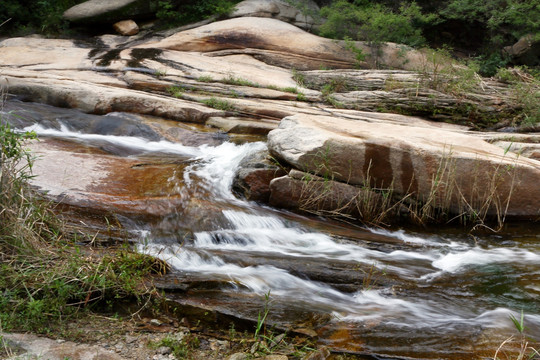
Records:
x=205, y=78
x=524, y=350
x=218, y=104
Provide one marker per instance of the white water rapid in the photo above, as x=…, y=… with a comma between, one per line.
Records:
x=421, y=282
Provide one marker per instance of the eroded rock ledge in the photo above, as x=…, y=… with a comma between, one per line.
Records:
x=451, y=171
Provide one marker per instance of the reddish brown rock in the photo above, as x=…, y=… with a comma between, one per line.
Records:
x=455, y=171
x=253, y=178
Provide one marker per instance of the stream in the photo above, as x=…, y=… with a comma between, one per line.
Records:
x=386, y=294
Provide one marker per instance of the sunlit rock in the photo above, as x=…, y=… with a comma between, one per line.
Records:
x=453, y=170
x=126, y=27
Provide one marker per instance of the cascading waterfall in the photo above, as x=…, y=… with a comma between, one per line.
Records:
x=441, y=282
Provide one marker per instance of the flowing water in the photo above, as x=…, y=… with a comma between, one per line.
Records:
x=386, y=293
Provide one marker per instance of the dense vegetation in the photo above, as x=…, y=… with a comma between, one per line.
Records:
x=173, y=13
x=34, y=16
x=475, y=28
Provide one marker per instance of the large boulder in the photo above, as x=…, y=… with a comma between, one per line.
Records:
x=526, y=51
x=302, y=15
x=278, y=43
x=452, y=171
x=109, y=11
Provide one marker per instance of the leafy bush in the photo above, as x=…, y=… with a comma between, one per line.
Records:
x=175, y=13
x=505, y=20
x=41, y=16
x=374, y=22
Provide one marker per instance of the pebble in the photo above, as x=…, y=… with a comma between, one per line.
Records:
x=238, y=356
x=163, y=350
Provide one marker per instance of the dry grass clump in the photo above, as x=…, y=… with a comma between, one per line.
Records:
x=483, y=204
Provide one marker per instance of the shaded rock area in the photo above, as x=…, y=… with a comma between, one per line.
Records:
x=526, y=51
x=301, y=16
x=252, y=180
x=108, y=11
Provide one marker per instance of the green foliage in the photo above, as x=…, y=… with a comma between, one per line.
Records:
x=180, y=348
x=525, y=85
x=261, y=318
x=489, y=64
x=519, y=324
x=359, y=55
x=175, y=13
x=218, y=104
x=374, y=22
x=511, y=17
x=206, y=78
x=176, y=91
x=299, y=78
x=232, y=80
x=40, y=289
x=42, y=16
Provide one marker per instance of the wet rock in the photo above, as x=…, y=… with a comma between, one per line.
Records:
x=253, y=177
x=307, y=192
x=408, y=159
x=281, y=10
x=107, y=11
x=126, y=27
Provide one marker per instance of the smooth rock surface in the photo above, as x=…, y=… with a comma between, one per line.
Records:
x=408, y=159
x=103, y=11
x=300, y=16
x=278, y=43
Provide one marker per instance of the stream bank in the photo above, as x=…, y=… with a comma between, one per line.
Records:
x=151, y=130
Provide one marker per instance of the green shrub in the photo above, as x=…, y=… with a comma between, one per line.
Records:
x=41, y=16
x=175, y=13
x=218, y=104
x=373, y=22
x=505, y=20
